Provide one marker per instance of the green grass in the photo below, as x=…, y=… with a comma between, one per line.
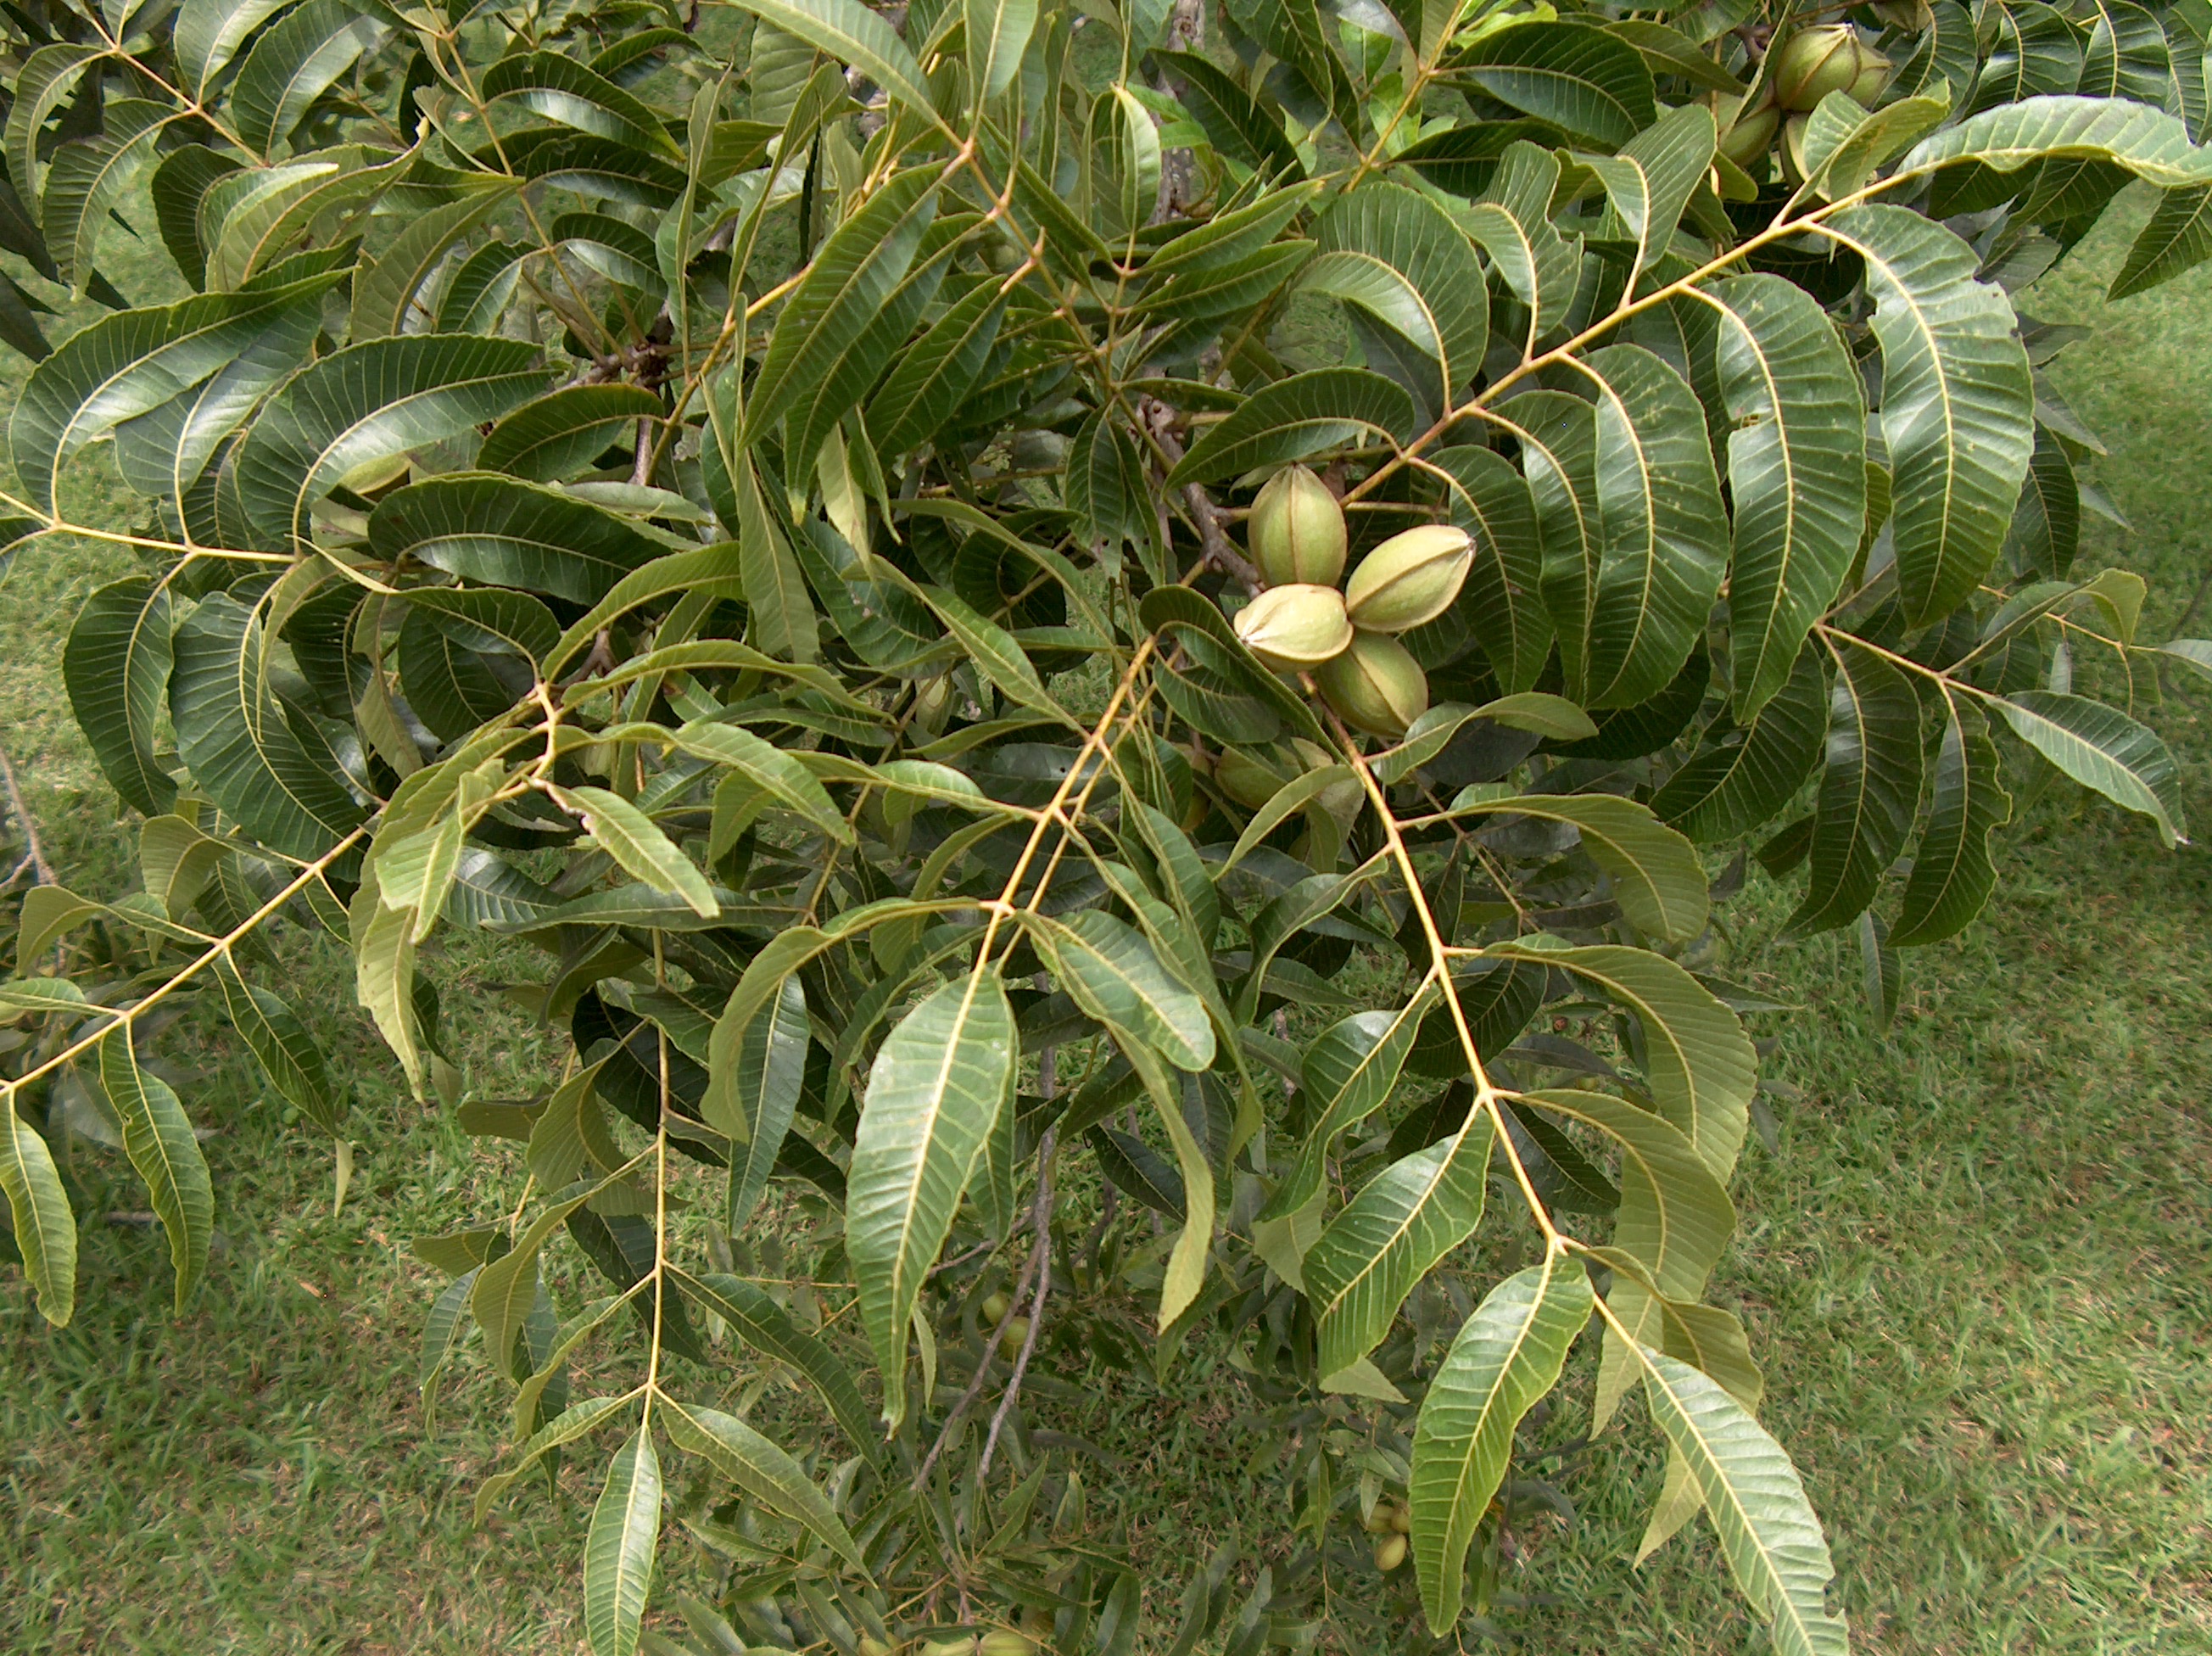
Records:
x=1975, y=1268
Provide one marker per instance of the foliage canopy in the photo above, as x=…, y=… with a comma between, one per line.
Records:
x=763, y=504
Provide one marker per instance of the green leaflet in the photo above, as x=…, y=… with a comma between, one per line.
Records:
x=1508, y=1354
x=1112, y=972
x=1757, y=1503
x=933, y=1094
x=1293, y=418
x=1796, y=457
x=1870, y=791
x=209, y=33
x=2178, y=237
x=1186, y=1266
x=1501, y=603
x=1657, y=878
x=89, y=176
x=564, y=433
x=754, y=1077
x=48, y=76
x=158, y=1139
x=1404, y=1220
x=1952, y=874
x=766, y=767
x=384, y=296
x=761, y=1470
x=369, y=403
x=39, y=1213
x=1406, y=236
x=2102, y=748
x=932, y=375
x=1650, y=180
x=116, y=666
x=634, y=841
x=1957, y=409
x=1699, y=1064
x=497, y=531
x=270, y=770
x=2147, y=141
x=850, y=33
x=1743, y=775
x=564, y=90
x=852, y=275
x=998, y=35
x=620, y=1546
x=146, y=364
x=768, y=1328
x=1662, y=525
x=287, y=1052
x=1582, y=79
x=1351, y=1068
x=291, y=64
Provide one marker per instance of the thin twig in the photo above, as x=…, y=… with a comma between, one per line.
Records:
x=1041, y=1251
x=32, y=849
x=975, y=1388
x=1220, y=551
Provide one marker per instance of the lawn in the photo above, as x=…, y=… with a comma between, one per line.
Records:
x=1976, y=1264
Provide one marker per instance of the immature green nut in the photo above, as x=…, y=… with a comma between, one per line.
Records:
x=1375, y=686
x=1829, y=58
x=1793, y=148
x=1296, y=627
x=1018, y=1331
x=1003, y=1642
x=949, y=1648
x=1748, y=141
x=994, y=1307
x=1409, y=579
x=1296, y=530
x=870, y=1645
x=1390, y=1552
x=1247, y=781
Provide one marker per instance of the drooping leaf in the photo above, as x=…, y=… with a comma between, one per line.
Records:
x=1113, y=974
x=1698, y=1064
x=39, y=1213
x=763, y=1470
x=635, y=842
x=754, y=1077
x=1658, y=562
x=1390, y=1236
x=1508, y=1354
x=270, y=769
x=850, y=33
x=294, y=63
x=620, y=1547
x=1292, y=419
x=2102, y=748
x=933, y=1094
x=1957, y=409
x=499, y=531
x=575, y=95
x=1349, y=1070
x=159, y=1140
x=1869, y=790
x=1952, y=874
x=116, y=666
x=384, y=295
x=89, y=176
x=1745, y=773
x=1578, y=77
x=1757, y=1503
x=1797, y=475
x=136, y=363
